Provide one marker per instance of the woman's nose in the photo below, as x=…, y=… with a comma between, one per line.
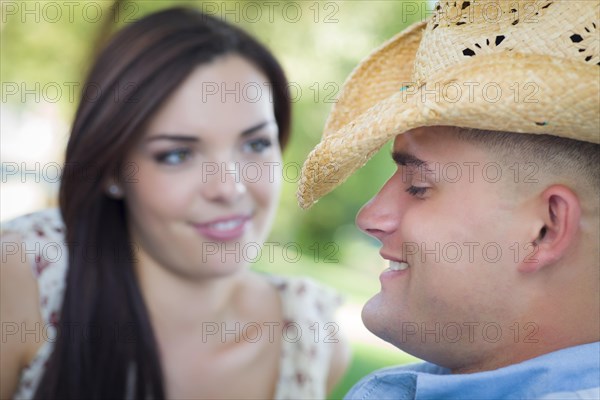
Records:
x=226, y=185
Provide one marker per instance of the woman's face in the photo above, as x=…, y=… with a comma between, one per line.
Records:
x=207, y=173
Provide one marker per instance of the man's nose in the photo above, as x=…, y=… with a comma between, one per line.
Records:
x=380, y=216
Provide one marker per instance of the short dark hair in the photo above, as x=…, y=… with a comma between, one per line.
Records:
x=557, y=155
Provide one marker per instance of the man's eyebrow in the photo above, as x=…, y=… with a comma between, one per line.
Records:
x=190, y=138
x=407, y=159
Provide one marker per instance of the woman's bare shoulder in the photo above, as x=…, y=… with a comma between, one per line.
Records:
x=19, y=311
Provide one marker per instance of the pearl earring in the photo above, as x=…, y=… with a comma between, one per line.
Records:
x=114, y=190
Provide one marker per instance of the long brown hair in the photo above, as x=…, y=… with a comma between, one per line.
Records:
x=106, y=347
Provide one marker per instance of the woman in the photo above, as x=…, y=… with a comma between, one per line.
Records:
x=158, y=301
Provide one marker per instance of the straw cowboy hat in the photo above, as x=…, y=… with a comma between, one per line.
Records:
x=517, y=66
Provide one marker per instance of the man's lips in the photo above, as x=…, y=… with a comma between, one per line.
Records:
x=224, y=228
x=389, y=257
x=395, y=264
x=398, y=266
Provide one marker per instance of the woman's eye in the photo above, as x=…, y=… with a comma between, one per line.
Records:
x=174, y=157
x=417, y=191
x=257, y=145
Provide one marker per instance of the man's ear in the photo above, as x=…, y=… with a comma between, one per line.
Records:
x=560, y=210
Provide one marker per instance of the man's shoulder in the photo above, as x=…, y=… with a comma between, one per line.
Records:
x=585, y=394
x=570, y=373
x=392, y=382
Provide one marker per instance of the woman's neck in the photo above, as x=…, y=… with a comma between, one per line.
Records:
x=179, y=302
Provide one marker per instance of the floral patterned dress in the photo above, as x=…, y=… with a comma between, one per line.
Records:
x=308, y=312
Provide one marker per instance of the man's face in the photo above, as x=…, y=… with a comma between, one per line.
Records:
x=448, y=215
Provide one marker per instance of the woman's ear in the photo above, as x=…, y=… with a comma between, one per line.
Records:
x=560, y=210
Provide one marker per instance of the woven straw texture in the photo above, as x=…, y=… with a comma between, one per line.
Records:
x=526, y=66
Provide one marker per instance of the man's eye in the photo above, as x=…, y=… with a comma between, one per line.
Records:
x=417, y=191
x=174, y=157
x=257, y=145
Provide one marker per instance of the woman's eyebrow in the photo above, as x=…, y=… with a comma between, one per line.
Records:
x=255, y=128
x=191, y=138
x=177, y=138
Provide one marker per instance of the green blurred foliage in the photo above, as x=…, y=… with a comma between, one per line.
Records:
x=318, y=46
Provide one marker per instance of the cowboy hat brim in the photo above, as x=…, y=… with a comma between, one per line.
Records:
x=506, y=91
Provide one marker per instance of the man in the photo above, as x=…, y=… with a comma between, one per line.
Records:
x=491, y=222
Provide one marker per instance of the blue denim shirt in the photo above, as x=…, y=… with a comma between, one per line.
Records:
x=571, y=373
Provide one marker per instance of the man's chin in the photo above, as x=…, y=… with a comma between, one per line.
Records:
x=378, y=321
x=395, y=329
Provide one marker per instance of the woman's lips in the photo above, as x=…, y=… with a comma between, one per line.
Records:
x=224, y=229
